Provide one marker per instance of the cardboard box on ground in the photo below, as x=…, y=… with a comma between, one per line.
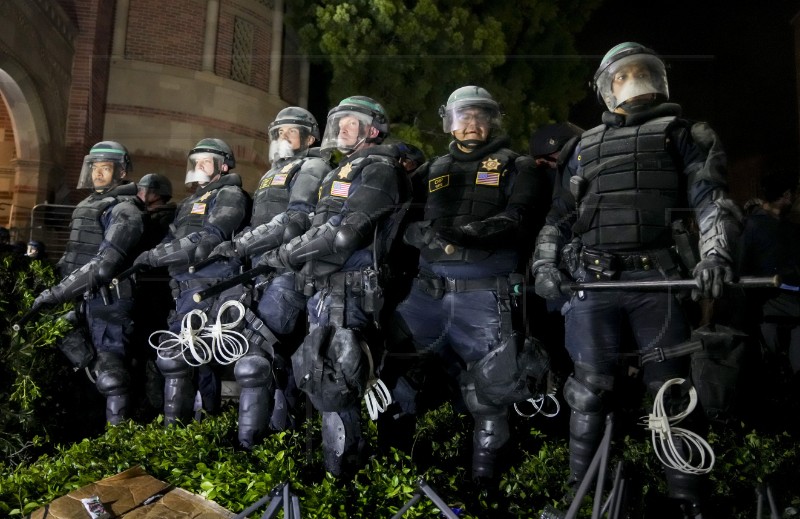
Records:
x=126, y=494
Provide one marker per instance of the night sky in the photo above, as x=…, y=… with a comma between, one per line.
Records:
x=733, y=67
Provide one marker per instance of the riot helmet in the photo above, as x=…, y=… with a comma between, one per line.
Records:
x=472, y=112
x=354, y=121
x=292, y=132
x=208, y=160
x=411, y=157
x=105, y=166
x=36, y=250
x=155, y=184
x=548, y=140
x=630, y=77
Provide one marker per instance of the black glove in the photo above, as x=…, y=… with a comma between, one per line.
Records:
x=226, y=249
x=454, y=235
x=551, y=283
x=47, y=297
x=279, y=258
x=418, y=234
x=142, y=260
x=711, y=274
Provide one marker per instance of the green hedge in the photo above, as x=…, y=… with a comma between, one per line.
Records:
x=42, y=459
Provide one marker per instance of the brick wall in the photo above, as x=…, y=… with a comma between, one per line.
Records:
x=170, y=33
x=89, y=84
x=262, y=40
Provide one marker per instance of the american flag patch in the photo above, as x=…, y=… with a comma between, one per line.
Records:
x=198, y=208
x=488, y=178
x=340, y=188
x=279, y=179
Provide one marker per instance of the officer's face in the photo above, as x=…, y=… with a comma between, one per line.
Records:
x=292, y=135
x=102, y=174
x=634, y=72
x=473, y=124
x=348, y=131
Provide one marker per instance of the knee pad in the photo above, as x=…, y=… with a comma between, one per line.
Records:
x=253, y=371
x=341, y=439
x=585, y=391
x=111, y=376
x=174, y=368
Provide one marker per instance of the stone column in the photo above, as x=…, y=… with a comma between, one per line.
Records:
x=120, y=29
x=210, y=38
x=276, y=52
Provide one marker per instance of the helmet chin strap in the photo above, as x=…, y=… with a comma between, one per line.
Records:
x=352, y=149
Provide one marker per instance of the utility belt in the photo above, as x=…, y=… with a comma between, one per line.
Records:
x=180, y=287
x=364, y=283
x=605, y=265
x=437, y=286
x=110, y=294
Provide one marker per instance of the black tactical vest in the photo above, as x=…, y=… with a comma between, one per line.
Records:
x=630, y=186
x=192, y=213
x=461, y=192
x=335, y=187
x=86, y=230
x=272, y=195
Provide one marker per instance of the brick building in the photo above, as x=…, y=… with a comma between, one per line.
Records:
x=156, y=76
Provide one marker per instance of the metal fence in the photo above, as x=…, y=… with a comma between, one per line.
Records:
x=50, y=225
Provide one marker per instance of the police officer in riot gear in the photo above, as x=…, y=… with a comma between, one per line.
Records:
x=153, y=295
x=628, y=178
x=106, y=227
x=476, y=200
x=340, y=258
x=285, y=196
x=213, y=213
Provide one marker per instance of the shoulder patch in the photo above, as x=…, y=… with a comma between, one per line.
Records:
x=279, y=179
x=438, y=183
x=341, y=189
x=198, y=208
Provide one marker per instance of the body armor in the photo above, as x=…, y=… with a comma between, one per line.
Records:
x=627, y=186
x=462, y=192
x=272, y=195
x=86, y=229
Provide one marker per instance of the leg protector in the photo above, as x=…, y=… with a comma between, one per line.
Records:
x=116, y=408
x=254, y=375
x=341, y=440
x=489, y=435
x=112, y=381
x=179, y=389
x=587, y=419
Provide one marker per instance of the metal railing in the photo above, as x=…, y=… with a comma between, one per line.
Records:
x=50, y=225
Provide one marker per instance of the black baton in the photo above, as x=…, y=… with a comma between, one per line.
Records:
x=225, y=284
x=125, y=274
x=206, y=262
x=30, y=314
x=666, y=284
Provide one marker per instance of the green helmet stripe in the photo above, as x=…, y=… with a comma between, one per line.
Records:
x=107, y=150
x=361, y=102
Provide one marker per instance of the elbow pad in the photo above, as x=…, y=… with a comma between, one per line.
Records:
x=175, y=253
x=108, y=266
x=353, y=233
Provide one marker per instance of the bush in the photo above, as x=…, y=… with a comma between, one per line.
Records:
x=37, y=420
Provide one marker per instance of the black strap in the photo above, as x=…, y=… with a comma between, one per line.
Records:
x=671, y=352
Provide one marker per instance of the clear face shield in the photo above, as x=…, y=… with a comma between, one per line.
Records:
x=346, y=131
x=286, y=141
x=99, y=173
x=631, y=77
x=459, y=116
x=203, y=168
